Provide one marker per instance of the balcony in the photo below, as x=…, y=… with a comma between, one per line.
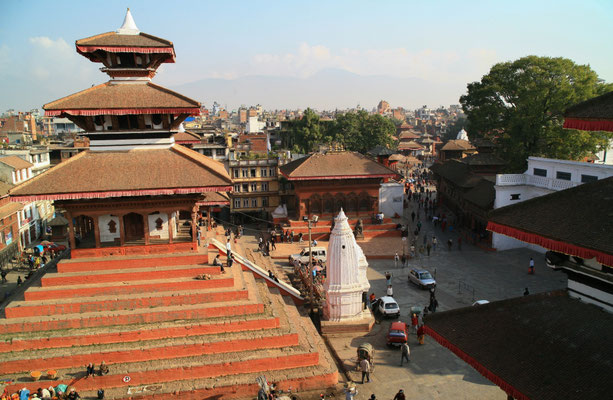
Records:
x=532, y=180
x=253, y=163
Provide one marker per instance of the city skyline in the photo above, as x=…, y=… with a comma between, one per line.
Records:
x=288, y=55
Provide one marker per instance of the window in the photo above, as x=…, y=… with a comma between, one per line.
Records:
x=515, y=196
x=236, y=173
x=264, y=201
x=237, y=203
x=220, y=152
x=588, y=178
x=245, y=173
x=253, y=173
x=245, y=202
x=209, y=153
x=263, y=172
x=540, y=172
x=254, y=187
x=237, y=188
x=264, y=186
x=245, y=187
x=273, y=172
x=254, y=202
x=563, y=175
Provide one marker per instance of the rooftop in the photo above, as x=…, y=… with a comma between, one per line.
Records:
x=15, y=162
x=335, y=165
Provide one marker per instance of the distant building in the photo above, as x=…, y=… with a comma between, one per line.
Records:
x=256, y=186
x=383, y=107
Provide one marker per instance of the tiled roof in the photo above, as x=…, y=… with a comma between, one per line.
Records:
x=136, y=98
x=483, y=159
x=456, y=172
x=378, y=151
x=186, y=136
x=482, y=195
x=457, y=144
x=408, y=135
x=581, y=216
x=335, y=165
x=15, y=162
x=411, y=145
x=122, y=173
x=10, y=208
x=544, y=347
x=600, y=107
x=4, y=188
x=115, y=39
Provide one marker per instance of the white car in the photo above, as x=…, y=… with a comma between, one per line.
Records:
x=319, y=253
x=480, y=302
x=388, y=307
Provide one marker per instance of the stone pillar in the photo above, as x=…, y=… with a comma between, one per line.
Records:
x=96, y=231
x=122, y=234
x=146, y=227
x=71, y=231
x=170, y=222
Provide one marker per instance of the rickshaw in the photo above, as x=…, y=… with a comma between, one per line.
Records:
x=366, y=351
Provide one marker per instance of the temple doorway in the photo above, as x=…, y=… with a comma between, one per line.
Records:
x=134, y=226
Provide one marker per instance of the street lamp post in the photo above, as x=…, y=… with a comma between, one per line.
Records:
x=312, y=290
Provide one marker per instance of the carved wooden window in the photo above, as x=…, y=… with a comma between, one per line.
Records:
x=159, y=223
x=112, y=226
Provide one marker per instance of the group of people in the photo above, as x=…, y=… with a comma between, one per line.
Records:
x=60, y=392
x=91, y=370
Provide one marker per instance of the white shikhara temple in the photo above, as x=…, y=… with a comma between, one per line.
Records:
x=346, y=277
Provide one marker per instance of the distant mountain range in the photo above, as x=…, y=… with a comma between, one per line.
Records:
x=328, y=89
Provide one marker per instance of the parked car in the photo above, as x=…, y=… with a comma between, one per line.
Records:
x=421, y=278
x=388, y=307
x=398, y=334
x=319, y=253
x=55, y=247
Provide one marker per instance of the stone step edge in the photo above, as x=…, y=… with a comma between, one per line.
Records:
x=178, y=374
x=169, y=299
x=57, y=342
x=127, y=319
x=150, y=354
x=158, y=285
x=104, y=264
x=77, y=278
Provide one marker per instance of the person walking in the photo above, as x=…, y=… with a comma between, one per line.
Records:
x=414, y=322
x=434, y=242
x=428, y=248
x=390, y=291
x=531, y=269
x=229, y=247
x=400, y=395
x=350, y=392
x=421, y=334
x=230, y=260
x=396, y=259
x=198, y=234
x=405, y=353
x=365, y=367
x=449, y=244
x=404, y=260
x=388, y=278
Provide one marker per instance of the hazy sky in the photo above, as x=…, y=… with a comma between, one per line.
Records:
x=447, y=43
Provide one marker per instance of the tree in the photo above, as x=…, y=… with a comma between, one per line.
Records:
x=360, y=131
x=520, y=106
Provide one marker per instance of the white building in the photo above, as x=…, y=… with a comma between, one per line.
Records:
x=254, y=125
x=543, y=176
x=33, y=218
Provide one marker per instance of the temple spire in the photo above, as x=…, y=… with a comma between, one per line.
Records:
x=129, y=26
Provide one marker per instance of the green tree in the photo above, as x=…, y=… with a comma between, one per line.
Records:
x=360, y=131
x=520, y=105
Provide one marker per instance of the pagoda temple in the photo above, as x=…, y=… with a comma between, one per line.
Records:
x=138, y=293
x=134, y=191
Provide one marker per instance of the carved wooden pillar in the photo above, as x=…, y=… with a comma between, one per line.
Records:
x=194, y=223
x=208, y=225
x=146, y=226
x=96, y=231
x=122, y=234
x=170, y=222
x=71, y=231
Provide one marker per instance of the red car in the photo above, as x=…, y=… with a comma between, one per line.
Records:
x=397, y=334
x=55, y=247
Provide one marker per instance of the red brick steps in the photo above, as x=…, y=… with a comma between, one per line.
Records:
x=128, y=336
x=27, y=309
x=278, y=361
x=149, y=354
x=120, y=288
x=127, y=318
x=126, y=262
x=80, y=278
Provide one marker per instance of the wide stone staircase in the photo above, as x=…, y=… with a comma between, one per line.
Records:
x=321, y=229
x=162, y=333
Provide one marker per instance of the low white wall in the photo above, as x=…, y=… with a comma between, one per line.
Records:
x=391, y=196
x=597, y=297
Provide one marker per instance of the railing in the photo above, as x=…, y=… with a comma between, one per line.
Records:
x=257, y=270
x=532, y=180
